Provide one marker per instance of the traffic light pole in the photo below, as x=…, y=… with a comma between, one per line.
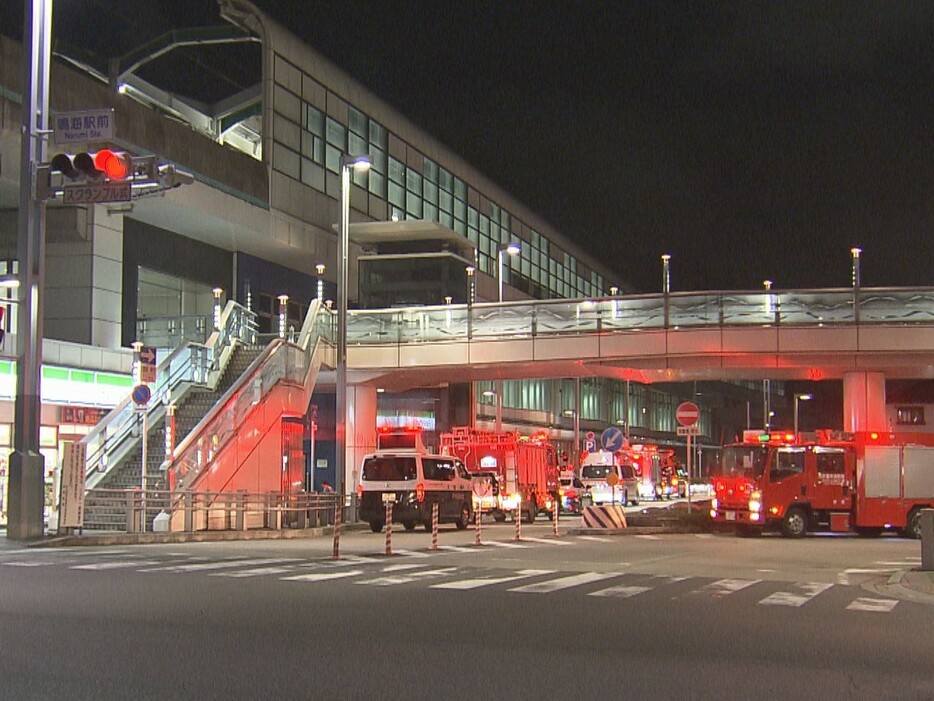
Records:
x=27, y=481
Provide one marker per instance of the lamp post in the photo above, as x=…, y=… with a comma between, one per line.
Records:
x=804, y=397
x=855, y=251
x=319, y=268
x=283, y=314
x=348, y=163
x=513, y=248
x=666, y=283
x=217, y=306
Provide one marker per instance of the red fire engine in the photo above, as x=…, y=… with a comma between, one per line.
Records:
x=525, y=469
x=842, y=481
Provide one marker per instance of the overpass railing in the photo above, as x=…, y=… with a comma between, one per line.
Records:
x=867, y=306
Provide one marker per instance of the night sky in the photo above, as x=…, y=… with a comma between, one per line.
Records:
x=749, y=140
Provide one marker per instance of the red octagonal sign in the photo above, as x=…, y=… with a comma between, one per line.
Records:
x=687, y=413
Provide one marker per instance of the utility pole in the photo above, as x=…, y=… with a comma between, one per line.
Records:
x=27, y=479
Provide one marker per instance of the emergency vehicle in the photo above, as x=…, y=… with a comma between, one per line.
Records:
x=597, y=465
x=403, y=472
x=525, y=469
x=865, y=482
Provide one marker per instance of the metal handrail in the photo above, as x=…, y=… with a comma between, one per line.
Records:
x=820, y=307
x=281, y=361
x=191, y=364
x=130, y=509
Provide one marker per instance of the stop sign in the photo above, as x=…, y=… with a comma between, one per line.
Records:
x=687, y=413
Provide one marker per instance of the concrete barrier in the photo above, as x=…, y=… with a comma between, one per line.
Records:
x=608, y=516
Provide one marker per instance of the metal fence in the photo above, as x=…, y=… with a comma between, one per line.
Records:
x=160, y=511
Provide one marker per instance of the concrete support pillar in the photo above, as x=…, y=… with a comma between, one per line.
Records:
x=361, y=431
x=864, y=401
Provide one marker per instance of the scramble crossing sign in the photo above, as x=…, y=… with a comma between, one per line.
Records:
x=687, y=413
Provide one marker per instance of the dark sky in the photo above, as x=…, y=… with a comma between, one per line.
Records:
x=750, y=140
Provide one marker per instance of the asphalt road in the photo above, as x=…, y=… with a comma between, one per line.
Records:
x=653, y=617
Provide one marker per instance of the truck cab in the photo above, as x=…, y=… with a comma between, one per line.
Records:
x=785, y=483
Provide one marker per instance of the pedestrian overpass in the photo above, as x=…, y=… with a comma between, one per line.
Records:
x=861, y=336
x=810, y=335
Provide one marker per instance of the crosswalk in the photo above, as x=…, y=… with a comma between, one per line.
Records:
x=417, y=569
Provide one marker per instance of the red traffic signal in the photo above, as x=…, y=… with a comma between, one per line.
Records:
x=102, y=165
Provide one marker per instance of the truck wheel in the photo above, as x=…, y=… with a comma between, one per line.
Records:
x=795, y=523
x=376, y=526
x=464, y=519
x=532, y=512
x=409, y=525
x=913, y=524
x=499, y=516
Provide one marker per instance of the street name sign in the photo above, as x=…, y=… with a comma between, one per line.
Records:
x=83, y=126
x=97, y=193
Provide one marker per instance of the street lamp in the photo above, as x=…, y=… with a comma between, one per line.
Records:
x=513, y=248
x=319, y=268
x=348, y=163
x=805, y=397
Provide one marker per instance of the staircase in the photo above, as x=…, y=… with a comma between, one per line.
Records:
x=191, y=408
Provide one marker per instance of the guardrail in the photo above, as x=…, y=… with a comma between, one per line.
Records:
x=136, y=511
x=866, y=306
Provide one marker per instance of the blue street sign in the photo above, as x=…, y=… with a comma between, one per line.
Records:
x=612, y=439
x=141, y=394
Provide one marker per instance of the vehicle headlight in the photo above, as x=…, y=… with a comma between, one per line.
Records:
x=714, y=503
x=755, y=501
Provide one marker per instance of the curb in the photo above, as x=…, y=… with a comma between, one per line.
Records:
x=196, y=537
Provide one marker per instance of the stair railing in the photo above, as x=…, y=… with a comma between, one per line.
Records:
x=281, y=361
x=189, y=365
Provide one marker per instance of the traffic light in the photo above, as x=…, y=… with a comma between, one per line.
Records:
x=96, y=167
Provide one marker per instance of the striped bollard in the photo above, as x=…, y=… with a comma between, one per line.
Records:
x=434, y=527
x=389, y=528
x=518, y=520
x=554, y=518
x=338, y=516
x=477, y=527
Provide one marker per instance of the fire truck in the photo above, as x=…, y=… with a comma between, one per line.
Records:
x=522, y=470
x=866, y=482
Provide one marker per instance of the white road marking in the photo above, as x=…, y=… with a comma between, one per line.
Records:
x=648, y=537
x=500, y=544
x=321, y=576
x=206, y=566
x=723, y=587
x=411, y=577
x=548, y=541
x=399, y=568
x=115, y=564
x=255, y=572
x=784, y=598
x=565, y=582
x=595, y=538
x=410, y=553
x=621, y=592
x=464, y=584
x=28, y=563
x=457, y=549
x=864, y=603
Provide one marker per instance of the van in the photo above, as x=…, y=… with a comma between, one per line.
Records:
x=413, y=482
x=594, y=471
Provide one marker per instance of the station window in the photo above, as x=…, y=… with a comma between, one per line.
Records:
x=910, y=416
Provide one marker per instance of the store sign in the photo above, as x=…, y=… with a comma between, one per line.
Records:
x=89, y=415
x=71, y=506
